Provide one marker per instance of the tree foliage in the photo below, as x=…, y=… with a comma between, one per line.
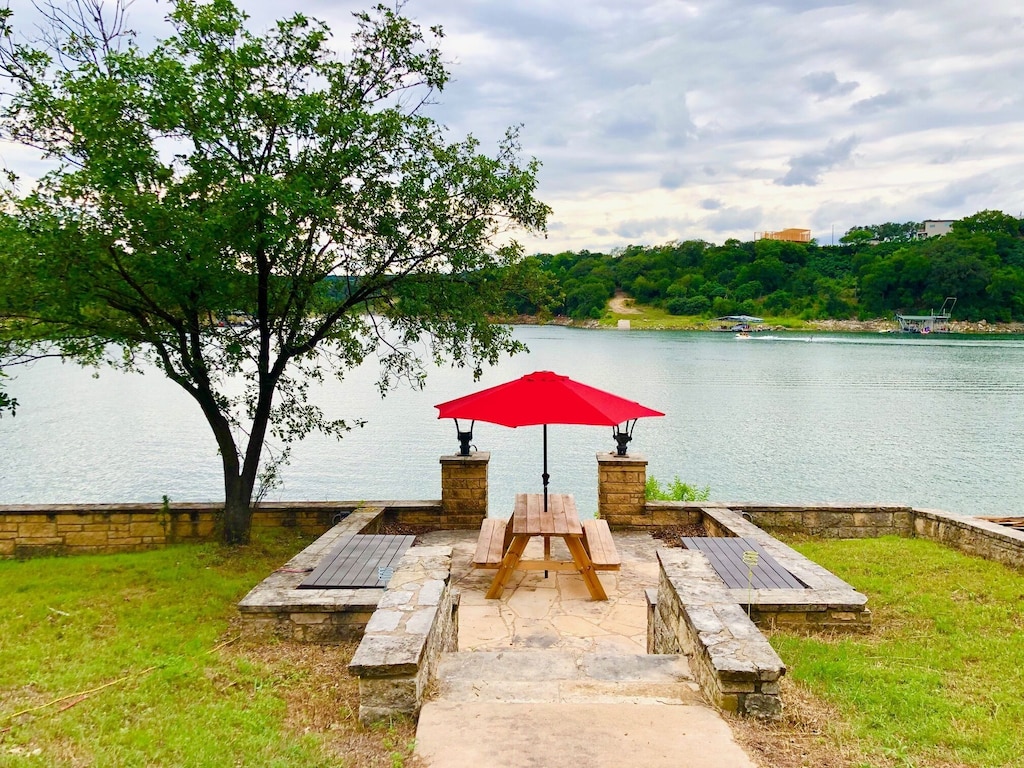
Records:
x=981, y=262
x=250, y=212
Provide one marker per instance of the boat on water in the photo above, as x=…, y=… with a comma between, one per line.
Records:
x=737, y=324
x=934, y=322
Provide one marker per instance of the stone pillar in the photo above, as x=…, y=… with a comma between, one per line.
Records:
x=464, y=490
x=621, y=482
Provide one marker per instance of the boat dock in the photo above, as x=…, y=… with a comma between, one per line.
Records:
x=935, y=322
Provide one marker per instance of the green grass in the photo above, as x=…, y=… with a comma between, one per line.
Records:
x=150, y=627
x=940, y=680
x=655, y=318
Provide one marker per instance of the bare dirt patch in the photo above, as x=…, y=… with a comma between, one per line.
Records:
x=621, y=304
x=322, y=698
x=810, y=733
x=671, y=534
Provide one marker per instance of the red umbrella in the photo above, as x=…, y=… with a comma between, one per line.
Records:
x=545, y=398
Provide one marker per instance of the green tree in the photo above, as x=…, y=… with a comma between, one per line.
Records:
x=225, y=175
x=857, y=237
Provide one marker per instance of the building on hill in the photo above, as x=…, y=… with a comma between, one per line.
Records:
x=789, y=235
x=934, y=228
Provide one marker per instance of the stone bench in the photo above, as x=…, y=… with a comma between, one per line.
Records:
x=415, y=622
x=277, y=607
x=695, y=614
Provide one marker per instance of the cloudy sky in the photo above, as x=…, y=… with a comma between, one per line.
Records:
x=658, y=120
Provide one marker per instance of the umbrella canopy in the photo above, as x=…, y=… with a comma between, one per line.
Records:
x=545, y=398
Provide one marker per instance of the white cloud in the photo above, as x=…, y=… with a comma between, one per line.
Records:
x=665, y=119
x=807, y=168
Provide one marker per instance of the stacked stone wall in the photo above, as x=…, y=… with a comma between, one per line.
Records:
x=71, y=529
x=621, y=487
x=972, y=535
x=415, y=622
x=464, y=490
x=736, y=668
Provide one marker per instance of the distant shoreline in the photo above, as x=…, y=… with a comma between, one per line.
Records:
x=877, y=325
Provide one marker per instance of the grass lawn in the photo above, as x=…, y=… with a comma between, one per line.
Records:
x=138, y=660
x=938, y=681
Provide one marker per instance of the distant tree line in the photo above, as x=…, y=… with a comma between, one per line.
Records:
x=874, y=271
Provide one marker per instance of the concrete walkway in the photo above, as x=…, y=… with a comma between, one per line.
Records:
x=546, y=676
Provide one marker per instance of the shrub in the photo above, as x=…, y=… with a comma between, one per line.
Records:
x=677, y=490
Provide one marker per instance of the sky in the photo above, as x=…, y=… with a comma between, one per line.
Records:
x=662, y=120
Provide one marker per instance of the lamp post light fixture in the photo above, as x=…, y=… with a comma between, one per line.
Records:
x=464, y=437
x=623, y=435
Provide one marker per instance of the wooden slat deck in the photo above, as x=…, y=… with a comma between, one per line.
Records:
x=359, y=562
x=726, y=556
x=1009, y=522
x=491, y=544
x=560, y=519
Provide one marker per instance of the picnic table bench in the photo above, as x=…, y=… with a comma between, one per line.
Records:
x=725, y=553
x=502, y=542
x=362, y=561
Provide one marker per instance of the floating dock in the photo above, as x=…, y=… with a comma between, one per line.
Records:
x=936, y=322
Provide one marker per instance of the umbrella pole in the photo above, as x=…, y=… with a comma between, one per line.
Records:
x=544, y=477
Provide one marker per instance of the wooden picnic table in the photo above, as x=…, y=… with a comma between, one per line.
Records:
x=529, y=519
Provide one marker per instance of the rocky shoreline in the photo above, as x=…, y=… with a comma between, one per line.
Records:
x=883, y=326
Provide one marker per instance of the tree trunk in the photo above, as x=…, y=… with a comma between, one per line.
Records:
x=237, y=510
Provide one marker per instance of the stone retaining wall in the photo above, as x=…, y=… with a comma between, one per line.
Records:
x=972, y=535
x=72, y=529
x=415, y=622
x=731, y=660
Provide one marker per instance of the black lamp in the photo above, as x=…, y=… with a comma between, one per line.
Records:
x=623, y=435
x=464, y=437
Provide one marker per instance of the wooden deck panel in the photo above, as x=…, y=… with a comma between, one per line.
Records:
x=725, y=554
x=356, y=562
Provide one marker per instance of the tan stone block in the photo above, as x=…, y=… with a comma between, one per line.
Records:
x=310, y=618
x=119, y=518
x=36, y=529
x=81, y=539
x=40, y=541
x=736, y=686
x=794, y=617
x=6, y=547
x=147, y=529
x=728, y=702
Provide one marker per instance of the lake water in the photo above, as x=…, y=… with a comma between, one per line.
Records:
x=934, y=421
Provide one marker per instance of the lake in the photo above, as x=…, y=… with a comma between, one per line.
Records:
x=930, y=421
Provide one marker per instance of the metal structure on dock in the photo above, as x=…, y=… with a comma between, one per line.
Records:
x=935, y=322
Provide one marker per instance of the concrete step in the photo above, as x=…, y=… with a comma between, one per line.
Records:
x=565, y=676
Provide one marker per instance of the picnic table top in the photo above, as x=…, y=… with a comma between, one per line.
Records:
x=561, y=518
x=360, y=561
x=725, y=553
